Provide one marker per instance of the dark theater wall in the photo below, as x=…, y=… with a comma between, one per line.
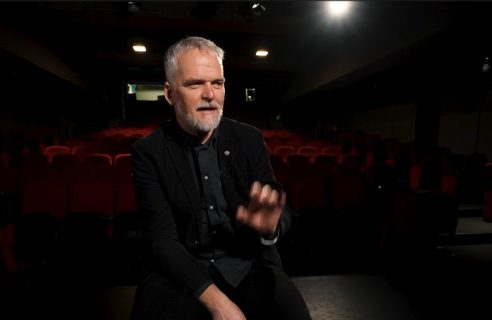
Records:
x=384, y=97
x=34, y=97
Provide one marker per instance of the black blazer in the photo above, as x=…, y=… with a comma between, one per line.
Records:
x=170, y=201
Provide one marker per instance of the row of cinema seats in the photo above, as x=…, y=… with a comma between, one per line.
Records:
x=350, y=187
x=330, y=181
x=61, y=209
x=16, y=144
x=67, y=167
x=366, y=193
x=331, y=197
x=284, y=142
x=308, y=150
x=464, y=175
x=344, y=196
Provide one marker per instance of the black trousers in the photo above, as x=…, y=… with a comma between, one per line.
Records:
x=265, y=293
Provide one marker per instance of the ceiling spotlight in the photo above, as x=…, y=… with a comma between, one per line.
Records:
x=262, y=53
x=139, y=48
x=258, y=9
x=338, y=8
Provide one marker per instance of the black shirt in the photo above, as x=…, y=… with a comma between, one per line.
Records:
x=216, y=229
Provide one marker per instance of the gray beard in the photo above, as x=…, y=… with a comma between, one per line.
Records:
x=196, y=126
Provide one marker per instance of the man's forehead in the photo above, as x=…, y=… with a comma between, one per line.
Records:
x=189, y=65
x=196, y=53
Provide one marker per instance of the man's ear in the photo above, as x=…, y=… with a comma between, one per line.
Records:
x=168, y=94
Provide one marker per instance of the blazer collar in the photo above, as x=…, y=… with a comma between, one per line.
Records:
x=176, y=149
x=178, y=154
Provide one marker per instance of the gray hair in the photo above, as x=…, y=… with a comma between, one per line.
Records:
x=184, y=45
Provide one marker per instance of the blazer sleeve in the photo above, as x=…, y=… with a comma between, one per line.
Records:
x=263, y=172
x=170, y=257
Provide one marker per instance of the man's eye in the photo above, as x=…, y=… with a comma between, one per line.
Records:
x=193, y=85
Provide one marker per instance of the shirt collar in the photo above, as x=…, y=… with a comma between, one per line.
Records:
x=188, y=140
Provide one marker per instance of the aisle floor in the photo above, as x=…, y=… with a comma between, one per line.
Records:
x=451, y=282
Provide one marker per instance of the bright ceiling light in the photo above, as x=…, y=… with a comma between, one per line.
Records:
x=338, y=8
x=139, y=48
x=261, y=53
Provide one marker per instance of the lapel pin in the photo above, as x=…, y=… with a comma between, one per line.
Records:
x=227, y=152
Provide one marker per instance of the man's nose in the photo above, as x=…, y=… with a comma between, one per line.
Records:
x=208, y=92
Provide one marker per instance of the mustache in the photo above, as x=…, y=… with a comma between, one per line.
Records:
x=209, y=105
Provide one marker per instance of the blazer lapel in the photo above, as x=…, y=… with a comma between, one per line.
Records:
x=225, y=155
x=181, y=162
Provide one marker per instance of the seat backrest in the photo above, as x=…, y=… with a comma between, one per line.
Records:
x=34, y=167
x=298, y=163
x=99, y=164
x=5, y=158
x=283, y=150
x=50, y=151
x=72, y=143
x=324, y=164
x=335, y=150
x=6, y=244
x=310, y=151
x=44, y=196
x=415, y=176
x=122, y=168
x=352, y=162
x=279, y=168
x=87, y=224
x=125, y=200
x=81, y=151
x=60, y=160
x=308, y=192
x=67, y=168
x=316, y=143
x=91, y=196
x=8, y=179
x=348, y=186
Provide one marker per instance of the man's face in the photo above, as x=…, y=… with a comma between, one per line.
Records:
x=197, y=93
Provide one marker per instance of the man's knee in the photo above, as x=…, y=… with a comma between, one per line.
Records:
x=159, y=298
x=288, y=300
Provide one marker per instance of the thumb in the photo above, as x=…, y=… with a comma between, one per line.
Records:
x=283, y=200
x=241, y=214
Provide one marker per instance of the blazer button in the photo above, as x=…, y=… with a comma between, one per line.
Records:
x=195, y=244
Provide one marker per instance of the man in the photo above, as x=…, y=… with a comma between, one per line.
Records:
x=212, y=207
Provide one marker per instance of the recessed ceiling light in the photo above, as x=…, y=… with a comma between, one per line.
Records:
x=261, y=53
x=338, y=8
x=139, y=48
